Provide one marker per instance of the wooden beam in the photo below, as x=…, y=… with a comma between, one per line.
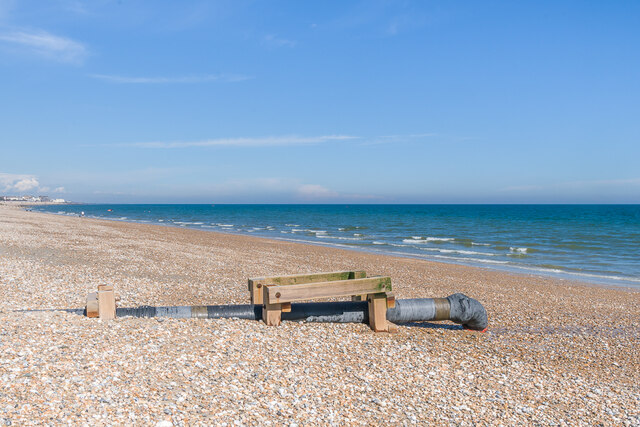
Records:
x=255, y=284
x=338, y=288
x=106, y=302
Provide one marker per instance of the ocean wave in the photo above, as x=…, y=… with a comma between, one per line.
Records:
x=307, y=230
x=457, y=251
x=451, y=258
x=325, y=236
x=357, y=227
x=419, y=239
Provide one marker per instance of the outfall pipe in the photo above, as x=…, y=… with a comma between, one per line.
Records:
x=457, y=307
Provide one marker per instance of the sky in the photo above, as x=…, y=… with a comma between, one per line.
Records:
x=321, y=102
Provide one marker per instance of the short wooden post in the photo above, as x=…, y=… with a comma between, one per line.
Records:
x=378, y=311
x=92, y=305
x=255, y=291
x=271, y=313
x=378, y=304
x=106, y=302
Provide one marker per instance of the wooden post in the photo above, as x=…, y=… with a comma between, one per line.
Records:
x=255, y=291
x=271, y=313
x=378, y=304
x=92, y=305
x=106, y=302
x=378, y=311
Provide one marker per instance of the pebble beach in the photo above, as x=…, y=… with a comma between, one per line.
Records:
x=556, y=352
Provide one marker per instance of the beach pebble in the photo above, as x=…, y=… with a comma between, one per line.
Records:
x=557, y=352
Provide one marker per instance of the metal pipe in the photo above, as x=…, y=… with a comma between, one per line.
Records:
x=458, y=308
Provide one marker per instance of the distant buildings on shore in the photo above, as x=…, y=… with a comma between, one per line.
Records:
x=31, y=199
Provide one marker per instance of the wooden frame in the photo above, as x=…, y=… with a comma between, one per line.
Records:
x=278, y=297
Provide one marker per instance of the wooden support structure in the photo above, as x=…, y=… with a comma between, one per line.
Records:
x=256, y=284
x=377, y=291
x=106, y=302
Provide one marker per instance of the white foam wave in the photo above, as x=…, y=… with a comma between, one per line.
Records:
x=419, y=239
x=325, y=236
x=519, y=250
x=457, y=251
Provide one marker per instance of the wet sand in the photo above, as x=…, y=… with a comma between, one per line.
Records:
x=557, y=352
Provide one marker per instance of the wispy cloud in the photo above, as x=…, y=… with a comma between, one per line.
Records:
x=285, y=140
x=17, y=182
x=46, y=45
x=203, y=78
x=274, y=41
x=243, y=142
x=282, y=189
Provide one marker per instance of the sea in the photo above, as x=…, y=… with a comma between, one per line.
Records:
x=593, y=243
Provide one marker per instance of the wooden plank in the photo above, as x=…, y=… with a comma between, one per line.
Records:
x=92, y=305
x=271, y=313
x=106, y=302
x=255, y=284
x=339, y=288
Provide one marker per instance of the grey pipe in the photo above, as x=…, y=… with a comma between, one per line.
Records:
x=457, y=308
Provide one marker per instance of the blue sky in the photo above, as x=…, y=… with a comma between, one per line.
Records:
x=325, y=102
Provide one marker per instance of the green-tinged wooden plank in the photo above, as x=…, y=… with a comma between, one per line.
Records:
x=256, y=283
x=306, y=291
x=309, y=278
